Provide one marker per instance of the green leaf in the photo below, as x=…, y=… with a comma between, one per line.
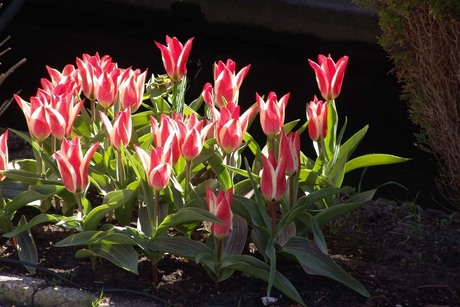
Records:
x=112, y=201
x=335, y=170
x=10, y=189
x=255, y=267
x=332, y=213
x=373, y=160
x=123, y=256
x=38, y=219
x=96, y=237
x=312, y=198
x=315, y=262
x=184, y=216
x=27, y=250
x=179, y=246
x=234, y=243
x=219, y=169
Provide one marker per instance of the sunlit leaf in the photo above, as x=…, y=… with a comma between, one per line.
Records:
x=255, y=267
x=315, y=262
x=123, y=256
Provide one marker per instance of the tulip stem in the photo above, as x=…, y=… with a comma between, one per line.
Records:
x=156, y=209
x=188, y=173
x=219, y=245
x=40, y=162
x=291, y=195
x=79, y=205
x=120, y=168
x=93, y=110
x=274, y=216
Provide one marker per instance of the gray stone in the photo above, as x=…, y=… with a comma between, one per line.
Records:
x=62, y=297
x=18, y=289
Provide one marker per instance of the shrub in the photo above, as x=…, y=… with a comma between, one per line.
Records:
x=422, y=38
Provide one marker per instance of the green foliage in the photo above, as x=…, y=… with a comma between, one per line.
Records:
x=132, y=217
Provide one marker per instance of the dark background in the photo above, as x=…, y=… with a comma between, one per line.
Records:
x=54, y=33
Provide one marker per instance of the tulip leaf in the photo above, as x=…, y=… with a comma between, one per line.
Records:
x=332, y=213
x=257, y=268
x=112, y=201
x=336, y=171
x=27, y=250
x=89, y=237
x=289, y=126
x=35, y=193
x=234, y=243
x=38, y=219
x=179, y=246
x=25, y=177
x=313, y=261
x=219, y=169
x=184, y=216
x=10, y=189
x=373, y=160
x=306, y=203
x=123, y=256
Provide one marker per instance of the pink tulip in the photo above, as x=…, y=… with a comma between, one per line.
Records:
x=273, y=179
x=317, y=116
x=289, y=150
x=220, y=206
x=120, y=132
x=329, y=75
x=157, y=166
x=37, y=117
x=56, y=121
x=192, y=136
x=131, y=89
x=73, y=166
x=175, y=56
x=272, y=113
x=106, y=88
x=227, y=83
x=90, y=68
x=166, y=134
x=231, y=127
x=68, y=73
x=3, y=153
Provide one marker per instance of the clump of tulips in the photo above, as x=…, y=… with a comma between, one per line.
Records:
x=165, y=167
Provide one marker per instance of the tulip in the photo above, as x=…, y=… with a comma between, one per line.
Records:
x=317, y=116
x=175, y=56
x=131, y=89
x=231, y=127
x=73, y=166
x=273, y=179
x=227, y=83
x=220, y=206
x=289, y=150
x=191, y=136
x=329, y=75
x=120, y=131
x=272, y=113
x=165, y=135
x=157, y=166
x=68, y=73
x=106, y=89
x=37, y=117
x=3, y=153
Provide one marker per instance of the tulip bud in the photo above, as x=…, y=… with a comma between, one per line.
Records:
x=329, y=75
x=317, y=116
x=220, y=206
